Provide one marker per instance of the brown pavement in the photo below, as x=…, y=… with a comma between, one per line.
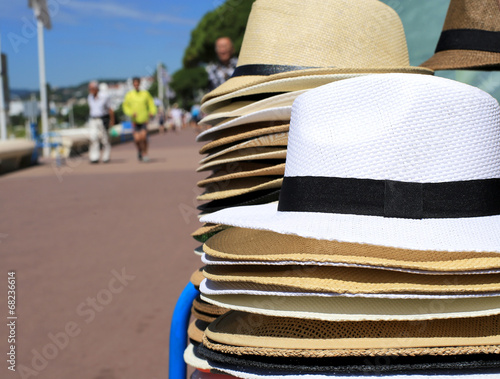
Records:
x=101, y=253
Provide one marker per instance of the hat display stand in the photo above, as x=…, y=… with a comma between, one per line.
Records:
x=351, y=220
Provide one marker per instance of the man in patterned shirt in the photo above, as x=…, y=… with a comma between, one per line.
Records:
x=219, y=72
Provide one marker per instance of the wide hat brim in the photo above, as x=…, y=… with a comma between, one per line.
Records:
x=248, y=169
x=206, y=231
x=257, y=197
x=363, y=367
x=244, y=245
x=273, y=116
x=194, y=361
x=280, y=336
x=237, y=187
x=350, y=280
x=463, y=60
x=243, y=155
x=276, y=139
x=341, y=308
x=241, y=108
x=478, y=234
x=251, y=131
x=291, y=81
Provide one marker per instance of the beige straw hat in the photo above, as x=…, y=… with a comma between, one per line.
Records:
x=196, y=330
x=194, y=361
x=204, y=307
x=341, y=308
x=243, y=170
x=236, y=187
x=244, y=132
x=245, y=333
x=276, y=139
x=197, y=277
x=259, y=245
x=470, y=38
x=243, y=155
x=286, y=41
x=242, y=108
x=349, y=280
x=206, y=231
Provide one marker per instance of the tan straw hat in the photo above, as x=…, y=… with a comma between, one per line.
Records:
x=342, y=308
x=243, y=155
x=243, y=170
x=349, y=280
x=276, y=139
x=259, y=245
x=470, y=38
x=285, y=40
x=244, y=132
x=206, y=231
x=236, y=187
x=241, y=108
x=245, y=333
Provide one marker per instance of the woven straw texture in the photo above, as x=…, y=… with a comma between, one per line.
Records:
x=202, y=316
x=209, y=287
x=205, y=307
x=258, y=197
x=197, y=277
x=241, y=108
x=271, y=117
x=258, y=331
x=276, y=139
x=283, y=32
x=354, y=280
x=253, y=153
x=196, y=330
x=357, y=308
x=410, y=128
x=468, y=14
x=248, y=244
x=243, y=170
x=238, y=187
x=206, y=231
x=244, y=132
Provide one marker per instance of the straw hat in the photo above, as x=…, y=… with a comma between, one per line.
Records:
x=206, y=231
x=342, y=308
x=243, y=170
x=253, y=198
x=244, y=245
x=471, y=366
x=236, y=187
x=196, y=330
x=283, y=336
x=286, y=41
x=193, y=360
x=470, y=38
x=244, y=132
x=275, y=139
x=350, y=280
x=271, y=116
x=241, y=108
x=243, y=155
x=387, y=166
x=197, y=277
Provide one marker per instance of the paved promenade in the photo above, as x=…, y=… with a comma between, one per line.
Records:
x=101, y=253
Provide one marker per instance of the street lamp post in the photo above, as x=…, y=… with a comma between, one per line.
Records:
x=43, y=20
x=3, y=117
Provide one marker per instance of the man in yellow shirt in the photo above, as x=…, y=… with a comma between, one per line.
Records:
x=140, y=107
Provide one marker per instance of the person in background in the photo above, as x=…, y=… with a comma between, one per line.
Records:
x=140, y=107
x=101, y=117
x=177, y=119
x=220, y=71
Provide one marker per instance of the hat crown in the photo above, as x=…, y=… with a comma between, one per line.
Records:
x=400, y=127
x=473, y=14
x=320, y=34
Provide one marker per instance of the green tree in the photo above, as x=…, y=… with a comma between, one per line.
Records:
x=186, y=83
x=227, y=20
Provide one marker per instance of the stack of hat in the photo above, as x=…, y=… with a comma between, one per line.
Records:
x=470, y=38
x=287, y=50
x=382, y=256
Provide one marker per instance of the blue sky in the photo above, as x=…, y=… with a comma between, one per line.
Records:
x=98, y=38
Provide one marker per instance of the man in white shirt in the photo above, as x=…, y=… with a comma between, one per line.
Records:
x=101, y=117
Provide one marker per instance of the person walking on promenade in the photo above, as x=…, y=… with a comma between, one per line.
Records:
x=220, y=71
x=101, y=117
x=140, y=107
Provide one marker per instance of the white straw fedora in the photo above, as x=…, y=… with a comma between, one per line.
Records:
x=398, y=160
x=286, y=40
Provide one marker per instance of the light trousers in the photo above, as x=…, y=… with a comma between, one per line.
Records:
x=98, y=134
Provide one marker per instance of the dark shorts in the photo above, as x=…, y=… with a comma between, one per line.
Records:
x=139, y=127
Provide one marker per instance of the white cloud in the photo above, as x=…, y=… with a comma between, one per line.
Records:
x=116, y=10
